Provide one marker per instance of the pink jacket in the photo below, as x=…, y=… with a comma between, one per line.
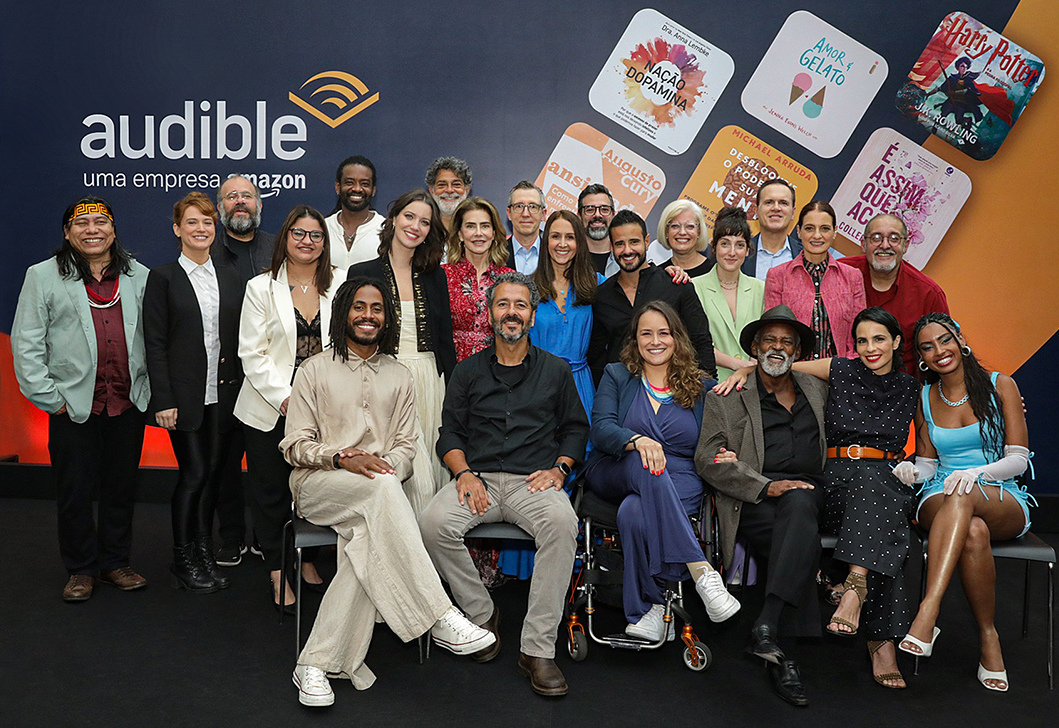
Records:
x=842, y=289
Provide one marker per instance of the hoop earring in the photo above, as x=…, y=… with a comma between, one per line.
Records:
x=923, y=366
x=965, y=350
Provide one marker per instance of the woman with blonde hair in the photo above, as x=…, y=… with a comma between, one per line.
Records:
x=682, y=230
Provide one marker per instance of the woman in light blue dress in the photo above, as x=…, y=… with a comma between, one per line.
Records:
x=971, y=444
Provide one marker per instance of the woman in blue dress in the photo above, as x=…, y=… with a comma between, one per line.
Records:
x=567, y=284
x=563, y=325
x=645, y=428
x=971, y=444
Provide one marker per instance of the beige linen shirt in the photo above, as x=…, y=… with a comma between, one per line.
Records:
x=363, y=403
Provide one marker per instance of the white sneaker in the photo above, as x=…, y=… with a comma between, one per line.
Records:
x=651, y=625
x=458, y=634
x=720, y=605
x=313, y=688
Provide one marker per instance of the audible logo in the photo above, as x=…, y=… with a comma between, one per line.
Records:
x=349, y=90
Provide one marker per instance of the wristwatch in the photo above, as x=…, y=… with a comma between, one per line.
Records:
x=563, y=468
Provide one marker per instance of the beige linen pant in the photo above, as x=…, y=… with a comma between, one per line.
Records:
x=547, y=516
x=382, y=567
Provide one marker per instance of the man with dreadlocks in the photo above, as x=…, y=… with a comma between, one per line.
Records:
x=350, y=436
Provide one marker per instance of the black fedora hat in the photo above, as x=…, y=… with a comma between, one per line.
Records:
x=778, y=315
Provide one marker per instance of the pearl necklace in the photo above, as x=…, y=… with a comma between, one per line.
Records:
x=947, y=401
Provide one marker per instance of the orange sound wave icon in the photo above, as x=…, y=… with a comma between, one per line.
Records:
x=347, y=95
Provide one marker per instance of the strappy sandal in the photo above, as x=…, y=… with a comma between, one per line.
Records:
x=873, y=647
x=858, y=584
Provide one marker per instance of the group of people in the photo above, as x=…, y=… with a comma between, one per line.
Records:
x=404, y=378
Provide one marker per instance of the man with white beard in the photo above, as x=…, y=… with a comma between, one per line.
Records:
x=763, y=450
x=893, y=284
x=240, y=243
x=449, y=182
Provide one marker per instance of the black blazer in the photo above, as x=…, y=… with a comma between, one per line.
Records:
x=176, y=354
x=435, y=286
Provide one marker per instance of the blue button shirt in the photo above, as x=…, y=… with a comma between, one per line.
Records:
x=526, y=258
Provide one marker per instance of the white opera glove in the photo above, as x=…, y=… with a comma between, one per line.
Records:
x=920, y=472
x=961, y=482
x=1014, y=463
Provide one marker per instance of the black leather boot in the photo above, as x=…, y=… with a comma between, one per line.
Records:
x=188, y=572
x=204, y=552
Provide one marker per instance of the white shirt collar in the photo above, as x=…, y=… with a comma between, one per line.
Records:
x=189, y=265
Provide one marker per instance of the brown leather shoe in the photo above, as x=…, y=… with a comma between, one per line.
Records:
x=493, y=625
x=78, y=588
x=124, y=578
x=545, y=676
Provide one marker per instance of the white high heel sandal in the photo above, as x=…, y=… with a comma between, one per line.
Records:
x=925, y=648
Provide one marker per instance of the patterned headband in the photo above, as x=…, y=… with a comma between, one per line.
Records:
x=90, y=208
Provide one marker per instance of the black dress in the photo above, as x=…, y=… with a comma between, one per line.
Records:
x=866, y=506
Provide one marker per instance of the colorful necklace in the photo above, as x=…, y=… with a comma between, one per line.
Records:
x=662, y=395
x=949, y=402
x=97, y=301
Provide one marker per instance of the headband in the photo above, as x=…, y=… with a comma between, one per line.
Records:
x=89, y=208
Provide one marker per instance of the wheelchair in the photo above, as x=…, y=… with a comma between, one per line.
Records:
x=598, y=579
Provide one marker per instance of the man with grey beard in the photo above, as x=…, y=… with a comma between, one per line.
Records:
x=449, y=182
x=240, y=242
x=512, y=429
x=894, y=284
x=762, y=449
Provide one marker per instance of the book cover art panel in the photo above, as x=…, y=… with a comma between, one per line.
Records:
x=661, y=81
x=893, y=174
x=735, y=166
x=814, y=84
x=587, y=156
x=970, y=85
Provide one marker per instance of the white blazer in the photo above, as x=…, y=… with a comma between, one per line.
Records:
x=268, y=337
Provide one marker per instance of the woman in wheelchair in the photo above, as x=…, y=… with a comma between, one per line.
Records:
x=645, y=426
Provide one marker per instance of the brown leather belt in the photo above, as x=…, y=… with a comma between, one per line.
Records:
x=860, y=452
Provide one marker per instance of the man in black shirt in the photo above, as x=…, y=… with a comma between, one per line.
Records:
x=240, y=244
x=634, y=285
x=511, y=429
x=771, y=495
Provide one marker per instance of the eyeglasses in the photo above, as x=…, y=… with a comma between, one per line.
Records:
x=317, y=236
x=245, y=196
x=521, y=207
x=676, y=227
x=601, y=209
x=892, y=237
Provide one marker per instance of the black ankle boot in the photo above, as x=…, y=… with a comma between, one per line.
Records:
x=188, y=571
x=204, y=552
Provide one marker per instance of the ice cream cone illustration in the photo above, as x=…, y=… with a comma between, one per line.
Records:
x=801, y=83
x=814, y=106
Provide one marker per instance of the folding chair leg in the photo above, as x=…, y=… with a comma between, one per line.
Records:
x=1026, y=601
x=922, y=593
x=297, y=599
x=1051, y=624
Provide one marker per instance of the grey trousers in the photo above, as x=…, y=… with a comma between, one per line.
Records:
x=382, y=568
x=547, y=516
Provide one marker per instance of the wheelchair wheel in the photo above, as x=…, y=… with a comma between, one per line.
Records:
x=702, y=658
x=578, y=647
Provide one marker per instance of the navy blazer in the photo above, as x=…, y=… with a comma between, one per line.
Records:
x=749, y=266
x=617, y=390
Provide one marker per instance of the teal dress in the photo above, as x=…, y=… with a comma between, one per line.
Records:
x=960, y=448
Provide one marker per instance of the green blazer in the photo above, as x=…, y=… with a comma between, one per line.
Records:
x=749, y=305
x=53, y=341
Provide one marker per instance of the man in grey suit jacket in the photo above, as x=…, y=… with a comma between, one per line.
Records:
x=78, y=347
x=762, y=449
